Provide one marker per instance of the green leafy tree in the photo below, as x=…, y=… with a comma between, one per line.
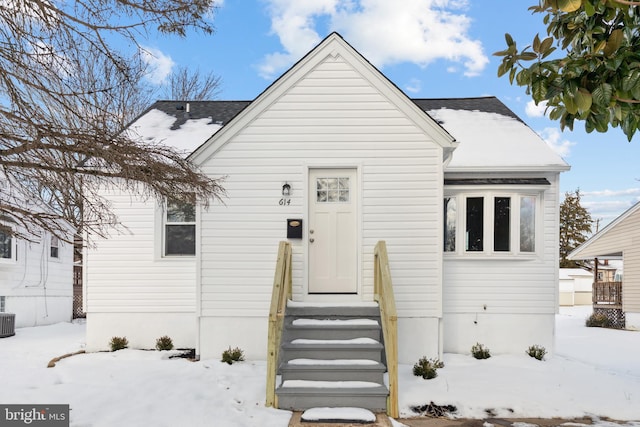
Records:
x=575, y=226
x=597, y=77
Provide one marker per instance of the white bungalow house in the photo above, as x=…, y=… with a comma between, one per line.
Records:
x=616, y=294
x=36, y=282
x=333, y=158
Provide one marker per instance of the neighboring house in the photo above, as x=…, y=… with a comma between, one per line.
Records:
x=575, y=286
x=464, y=193
x=616, y=295
x=36, y=279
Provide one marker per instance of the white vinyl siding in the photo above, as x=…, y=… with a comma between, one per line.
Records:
x=508, y=283
x=127, y=273
x=37, y=288
x=331, y=118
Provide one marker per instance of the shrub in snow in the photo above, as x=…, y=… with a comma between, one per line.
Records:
x=164, y=343
x=537, y=351
x=118, y=343
x=426, y=368
x=598, y=320
x=232, y=355
x=479, y=351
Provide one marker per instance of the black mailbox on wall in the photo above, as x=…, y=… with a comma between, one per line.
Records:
x=294, y=229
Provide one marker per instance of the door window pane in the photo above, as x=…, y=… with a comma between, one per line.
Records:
x=501, y=223
x=475, y=224
x=332, y=190
x=528, y=224
x=450, y=215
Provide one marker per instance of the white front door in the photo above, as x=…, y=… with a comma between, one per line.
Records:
x=333, y=203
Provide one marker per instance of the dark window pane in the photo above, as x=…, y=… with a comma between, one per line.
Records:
x=5, y=246
x=501, y=223
x=450, y=215
x=180, y=240
x=475, y=224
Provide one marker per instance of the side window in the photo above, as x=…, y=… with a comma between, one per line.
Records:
x=6, y=246
x=54, y=248
x=528, y=224
x=450, y=222
x=179, y=229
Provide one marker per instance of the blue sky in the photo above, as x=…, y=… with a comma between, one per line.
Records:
x=428, y=48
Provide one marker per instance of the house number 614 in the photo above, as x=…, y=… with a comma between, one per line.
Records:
x=285, y=201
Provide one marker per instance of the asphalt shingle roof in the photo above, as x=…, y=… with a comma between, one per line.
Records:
x=221, y=112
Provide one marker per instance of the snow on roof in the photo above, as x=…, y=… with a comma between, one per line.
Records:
x=491, y=141
x=156, y=126
x=570, y=273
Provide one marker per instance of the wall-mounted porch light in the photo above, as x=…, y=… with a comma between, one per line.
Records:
x=286, y=190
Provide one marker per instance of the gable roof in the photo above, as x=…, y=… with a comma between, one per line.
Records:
x=333, y=46
x=602, y=234
x=485, y=134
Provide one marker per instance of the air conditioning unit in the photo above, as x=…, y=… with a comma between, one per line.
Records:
x=7, y=324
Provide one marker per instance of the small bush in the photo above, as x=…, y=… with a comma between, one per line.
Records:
x=479, y=351
x=426, y=368
x=598, y=320
x=232, y=355
x=164, y=343
x=118, y=343
x=537, y=352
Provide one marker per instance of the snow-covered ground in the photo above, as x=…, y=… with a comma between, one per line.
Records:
x=594, y=372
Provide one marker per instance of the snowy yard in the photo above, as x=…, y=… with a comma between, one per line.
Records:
x=594, y=372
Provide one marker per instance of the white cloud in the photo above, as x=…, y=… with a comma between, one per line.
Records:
x=414, y=86
x=533, y=110
x=553, y=137
x=159, y=64
x=420, y=31
x=613, y=193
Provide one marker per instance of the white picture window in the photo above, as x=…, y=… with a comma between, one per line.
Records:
x=490, y=223
x=179, y=229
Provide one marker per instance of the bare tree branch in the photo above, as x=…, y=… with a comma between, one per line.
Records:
x=65, y=97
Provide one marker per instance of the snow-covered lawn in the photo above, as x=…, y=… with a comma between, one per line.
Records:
x=594, y=372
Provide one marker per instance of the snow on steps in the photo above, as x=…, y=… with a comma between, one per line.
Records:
x=332, y=356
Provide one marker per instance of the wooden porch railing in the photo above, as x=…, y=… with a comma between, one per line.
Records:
x=383, y=293
x=280, y=294
x=607, y=293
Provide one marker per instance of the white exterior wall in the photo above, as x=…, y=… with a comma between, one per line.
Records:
x=506, y=302
x=130, y=289
x=36, y=287
x=333, y=117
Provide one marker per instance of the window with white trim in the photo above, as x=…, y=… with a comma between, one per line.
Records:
x=490, y=223
x=54, y=247
x=7, y=250
x=179, y=229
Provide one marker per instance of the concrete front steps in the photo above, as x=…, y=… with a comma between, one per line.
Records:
x=332, y=357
